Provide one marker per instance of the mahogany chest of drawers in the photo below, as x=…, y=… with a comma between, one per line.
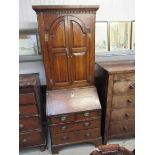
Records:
x=116, y=87
x=31, y=130
x=73, y=117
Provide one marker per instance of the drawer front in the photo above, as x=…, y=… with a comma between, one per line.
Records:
x=122, y=128
x=87, y=115
x=75, y=126
x=75, y=136
x=121, y=87
x=61, y=119
x=28, y=110
x=122, y=114
x=124, y=77
x=121, y=101
x=30, y=139
x=27, y=98
x=31, y=123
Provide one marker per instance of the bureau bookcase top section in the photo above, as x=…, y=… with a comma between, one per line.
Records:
x=67, y=35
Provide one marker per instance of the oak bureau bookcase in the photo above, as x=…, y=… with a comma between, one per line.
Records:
x=67, y=35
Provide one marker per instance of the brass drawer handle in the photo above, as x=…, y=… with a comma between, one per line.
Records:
x=86, y=124
x=63, y=118
x=24, y=140
x=63, y=127
x=88, y=134
x=86, y=114
x=65, y=138
x=127, y=114
x=132, y=86
x=21, y=126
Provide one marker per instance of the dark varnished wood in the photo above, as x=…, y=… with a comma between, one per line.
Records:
x=70, y=50
x=31, y=130
x=116, y=87
x=73, y=116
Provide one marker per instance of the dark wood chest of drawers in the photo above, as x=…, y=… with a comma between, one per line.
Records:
x=73, y=117
x=31, y=130
x=116, y=86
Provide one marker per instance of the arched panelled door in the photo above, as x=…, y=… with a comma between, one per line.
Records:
x=68, y=47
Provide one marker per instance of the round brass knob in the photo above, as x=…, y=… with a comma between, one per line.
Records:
x=63, y=118
x=65, y=138
x=125, y=128
x=24, y=140
x=21, y=126
x=132, y=86
x=127, y=114
x=63, y=127
x=86, y=114
x=88, y=134
x=129, y=101
x=86, y=124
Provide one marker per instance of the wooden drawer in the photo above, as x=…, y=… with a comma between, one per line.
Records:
x=87, y=115
x=122, y=114
x=122, y=87
x=31, y=139
x=75, y=126
x=28, y=110
x=124, y=77
x=61, y=119
x=122, y=128
x=122, y=101
x=30, y=123
x=27, y=98
x=75, y=136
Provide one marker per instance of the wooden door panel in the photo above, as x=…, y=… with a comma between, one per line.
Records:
x=79, y=50
x=60, y=68
x=80, y=66
x=58, y=55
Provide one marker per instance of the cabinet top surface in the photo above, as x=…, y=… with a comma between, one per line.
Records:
x=64, y=7
x=28, y=79
x=72, y=100
x=118, y=67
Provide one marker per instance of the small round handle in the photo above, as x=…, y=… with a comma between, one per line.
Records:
x=63, y=118
x=132, y=86
x=88, y=134
x=129, y=101
x=63, y=127
x=24, y=140
x=127, y=114
x=65, y=138
x=21, y=126
x=125, y=128
x=86, y=114
x=86, y=124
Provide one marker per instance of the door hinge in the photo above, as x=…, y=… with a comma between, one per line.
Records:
x=46, y=37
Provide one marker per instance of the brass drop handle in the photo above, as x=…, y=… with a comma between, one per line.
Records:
x=88, y=134
x=63, y=118
x=127, y=114
x=63, y=127
x=21, y=126
x=65, y=138
x=24, y=140
x=132, y=86
x=86, y=124
x=86, y=114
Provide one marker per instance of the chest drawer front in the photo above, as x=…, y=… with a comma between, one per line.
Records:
x=31, y=139
x=87, y=115
x=122, y=87
x=122, y=128
x=124, y=77
x=122, y=101
x=75, y=136
x=28, y=110
x=27, y=98
x=31, y=123
x=75, y=126
x=61, y=119
x=122, y=114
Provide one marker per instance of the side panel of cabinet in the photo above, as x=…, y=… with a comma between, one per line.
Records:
x=79, y=50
